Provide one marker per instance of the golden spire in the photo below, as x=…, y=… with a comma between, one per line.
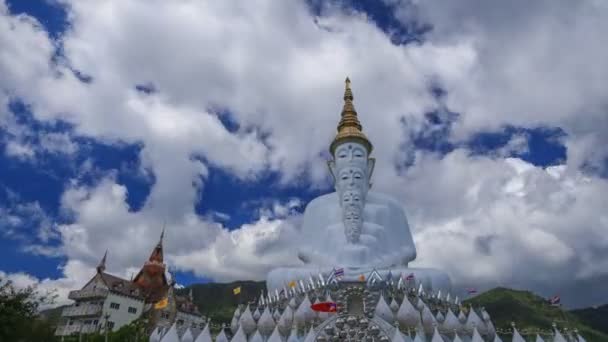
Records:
x=349, y=127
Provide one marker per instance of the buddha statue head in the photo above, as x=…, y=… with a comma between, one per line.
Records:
x=351, y=167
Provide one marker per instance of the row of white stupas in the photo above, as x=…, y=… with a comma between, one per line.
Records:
x=205, y=336
x=408, y=315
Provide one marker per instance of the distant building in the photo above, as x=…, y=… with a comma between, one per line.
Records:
x=112, y=302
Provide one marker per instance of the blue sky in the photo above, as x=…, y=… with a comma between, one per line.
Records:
x=106, y=134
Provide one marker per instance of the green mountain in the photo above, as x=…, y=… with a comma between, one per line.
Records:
x=217, y=300
x=532, y=312
x=595, y=317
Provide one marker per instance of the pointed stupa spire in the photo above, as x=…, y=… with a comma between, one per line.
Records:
x=171, y=335
x=579, y=338
x=157, y=253
x=436, y=336
x=451, y=322
x=205, y=335
x=246, y=321
x=257, y=337
x=384, y=311
x=293, y=335
x=187, y=336
x=407, y=315
x=394, y=305
x=310, y=337
x=266, y=323
x=476, y=336
x=285, y=321
x=473, y=321
x=516, y=335
x=428, y=319
x=275, y=336
x=151, y=279
x=102, y=264
x=419, y=334
x=304, y=314
x=397, y=335
x=162, y=234
x=558, y=337
x=349, y=127
x=221, y=337
x=240, y=335
x=154, y=337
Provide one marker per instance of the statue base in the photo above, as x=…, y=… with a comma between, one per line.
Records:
x=432, y=280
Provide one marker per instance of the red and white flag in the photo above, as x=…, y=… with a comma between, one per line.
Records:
x=555, y=300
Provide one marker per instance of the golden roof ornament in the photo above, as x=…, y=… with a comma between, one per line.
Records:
x=349, y=128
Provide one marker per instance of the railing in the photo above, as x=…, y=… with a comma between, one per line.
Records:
x=74, y=329
x=81, y=310
x=92, y=293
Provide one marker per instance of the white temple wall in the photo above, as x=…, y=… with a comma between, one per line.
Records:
x=121, y=316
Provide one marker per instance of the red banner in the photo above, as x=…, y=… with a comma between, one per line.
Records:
x=324, y=307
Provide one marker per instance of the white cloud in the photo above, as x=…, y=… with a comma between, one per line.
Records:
x=75, y=275
x=503, y=221
x=21, y=151
x=533, y=64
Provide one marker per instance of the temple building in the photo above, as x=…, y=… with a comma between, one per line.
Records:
x=110, y=302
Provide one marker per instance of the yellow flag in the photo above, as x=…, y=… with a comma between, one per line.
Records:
x=362, y=277
x=236, y=290
x=161, y=303
x=292, y=284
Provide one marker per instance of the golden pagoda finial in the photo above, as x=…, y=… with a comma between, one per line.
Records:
x=349, y=127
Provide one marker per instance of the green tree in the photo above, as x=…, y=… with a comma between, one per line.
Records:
x=18, y=313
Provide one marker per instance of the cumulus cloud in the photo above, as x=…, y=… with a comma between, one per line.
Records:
x=531, y=64
x=74, y=273
x=277, y=72
x=506, y=220
x=192, y=243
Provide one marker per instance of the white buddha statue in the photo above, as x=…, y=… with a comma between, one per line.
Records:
x=354, y=228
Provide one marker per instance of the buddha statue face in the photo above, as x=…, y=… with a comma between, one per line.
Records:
x=351, y=169
x=351, y=153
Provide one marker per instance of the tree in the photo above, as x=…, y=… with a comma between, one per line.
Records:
x=18, y=313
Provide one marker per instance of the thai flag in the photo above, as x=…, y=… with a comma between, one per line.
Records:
x=410, y=277
x=471, y=290
x=555, y=300
x=339, y=272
